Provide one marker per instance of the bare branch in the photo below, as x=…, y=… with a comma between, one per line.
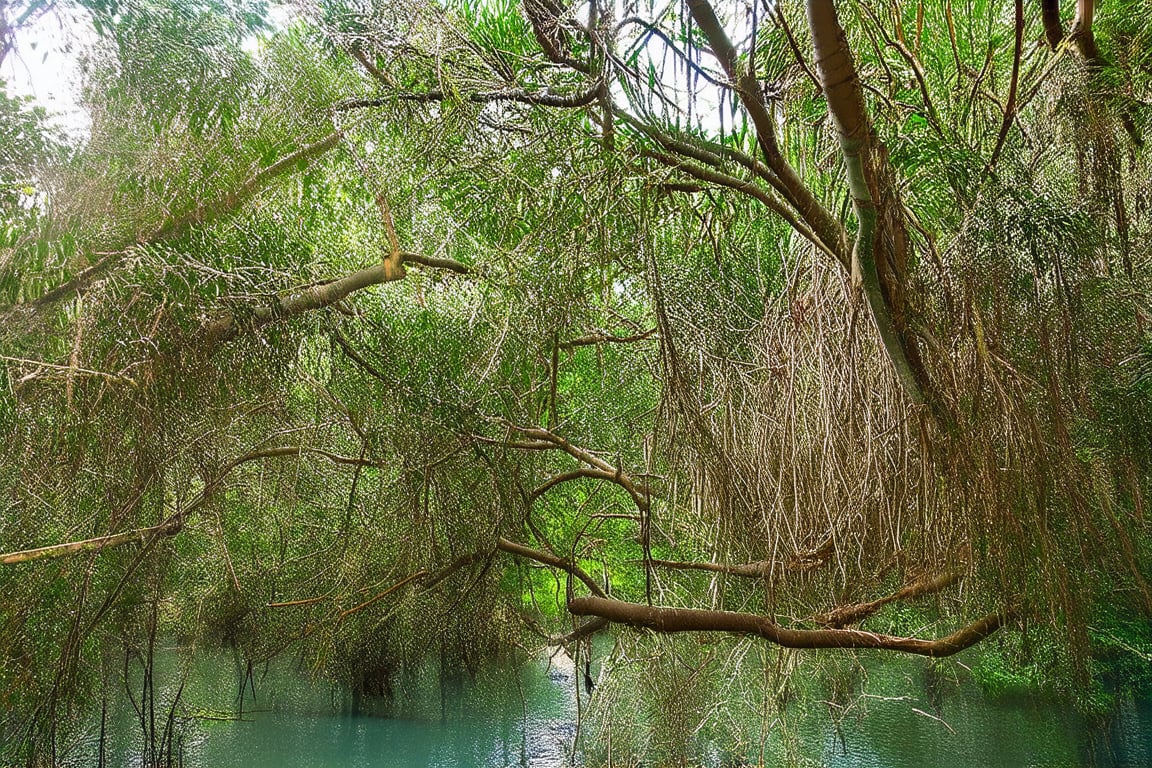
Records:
x=175, y=522
x=819, y=218
x=519, y=95
x=601, y=337
x=547, y=558
x=852, y=614
x=757, y=570
x=226, y=326
x=662, y=619
x=750, y=189
x=1010, y=105
x=584, y=472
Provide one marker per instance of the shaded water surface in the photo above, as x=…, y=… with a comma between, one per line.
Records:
x=526, y=716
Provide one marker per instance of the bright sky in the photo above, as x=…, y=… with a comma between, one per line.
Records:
x=45, y=65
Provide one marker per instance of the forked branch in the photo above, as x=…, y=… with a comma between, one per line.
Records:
x=661, y=619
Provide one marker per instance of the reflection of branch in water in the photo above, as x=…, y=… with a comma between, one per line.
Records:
x=235, y=717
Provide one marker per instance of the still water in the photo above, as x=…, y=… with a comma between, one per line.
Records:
x=527, y=716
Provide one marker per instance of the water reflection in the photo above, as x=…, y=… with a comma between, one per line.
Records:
x=906, y=717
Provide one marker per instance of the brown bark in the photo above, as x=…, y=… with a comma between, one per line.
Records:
x=599, y=337
x=175, y=522
x=519, y=95
x=853, y=614
x=757, y=570
x=1050, y=17
x=1010, y=104
x=818, y=218
x=692, y=620
x=547, y=558
x=1083, y=37
x=583, y=472
x=546, y=439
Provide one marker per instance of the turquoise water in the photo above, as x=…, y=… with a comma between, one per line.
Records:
x=902, y=725
x=526, y=715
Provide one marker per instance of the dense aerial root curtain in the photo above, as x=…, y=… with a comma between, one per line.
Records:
x=879, y=254
x=693, y=620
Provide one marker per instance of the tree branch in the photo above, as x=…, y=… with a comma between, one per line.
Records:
x=877, y=256
x=602, y=337
x=853, y=614
x=750, y=189
x=173, y=227
x=1050, y=17
x=756, y=570
x=547, y=558
x=226, y=327
x=519, y=95
x=819, y=218
x=1084, y=39
x=584, y=472
x=661, y=619
x=175, y=522
x=1010, y=105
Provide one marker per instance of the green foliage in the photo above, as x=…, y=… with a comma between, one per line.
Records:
x=618, y=294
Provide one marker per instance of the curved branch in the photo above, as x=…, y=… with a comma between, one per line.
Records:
x=638, y=491
x=227, y=327
x=585, y=472
x=1084, y=39
x=693, y=620
x=174, y=522
x=670, y=44
x=819, y=218
x=879, y=269
x=853, y=614
x=544, y=17
x=173, y=227
x=547, y=558
x=750, y=189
